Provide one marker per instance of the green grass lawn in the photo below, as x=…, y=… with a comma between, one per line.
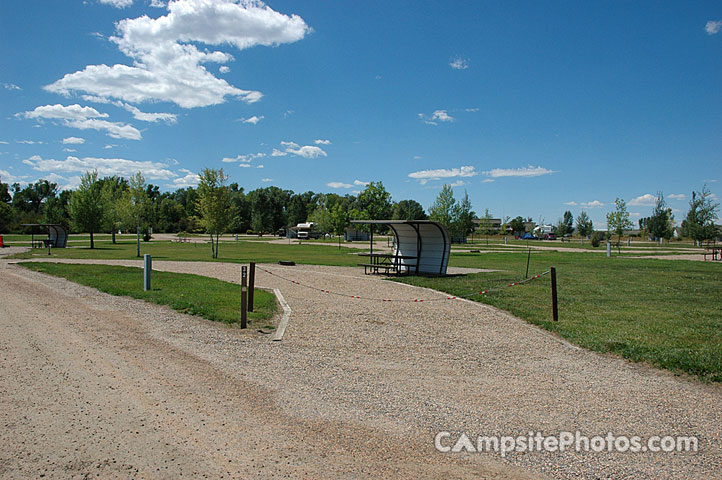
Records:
x=193, y=294
x=667, y=313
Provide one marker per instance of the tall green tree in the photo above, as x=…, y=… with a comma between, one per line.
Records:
x=618, y=221
x=661, y=223
x=585, y=227
x=445, y=209
x=86, y=205
x=339, y=221
x=408, y=210
x=135, y=208
x=700, y=221
x=112, y=192
x=465, y=217
x=214, y=205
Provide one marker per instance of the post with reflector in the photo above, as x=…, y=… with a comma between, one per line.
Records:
x=244, y=293
x=555, y=309
x=147, y=267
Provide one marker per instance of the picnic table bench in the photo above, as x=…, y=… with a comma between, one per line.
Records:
x=387, y=262
x=715, y=252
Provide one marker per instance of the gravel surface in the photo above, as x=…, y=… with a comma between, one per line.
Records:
x=357, y=387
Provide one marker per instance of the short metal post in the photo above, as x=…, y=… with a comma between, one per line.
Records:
x=251, y=284
x=147, y=267
x=244, y=293
x=555, y=309
x=528, y=257
x=609, y=249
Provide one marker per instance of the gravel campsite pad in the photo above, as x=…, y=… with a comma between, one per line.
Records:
x=94, y=384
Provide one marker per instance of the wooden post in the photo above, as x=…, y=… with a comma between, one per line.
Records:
x=555, y=309
x=251, y=284
x=244, y=292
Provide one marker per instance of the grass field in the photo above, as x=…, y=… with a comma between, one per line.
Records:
x=193, y=294
x=664, y=312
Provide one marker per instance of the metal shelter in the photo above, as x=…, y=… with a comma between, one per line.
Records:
x=57, y=234
x=420, y=246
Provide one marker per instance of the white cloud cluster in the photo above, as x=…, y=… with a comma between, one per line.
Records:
x=137, y=114
x=306, y=151
x=104, y=166
x=593, y=204
x=713, y=27
x=7, y=177
x=677, y=196
x=646, y=200
x=190, y=179
x=73, y=141
x=436, y=117
x=168, y=66
x=346, y=185
x=11, y=86
x=83, y=118
x=425, y=175
x=459, y=63
x=322, y=142
x=529, y=171
x=252, y=120
x=247, y=158
x=117, y=3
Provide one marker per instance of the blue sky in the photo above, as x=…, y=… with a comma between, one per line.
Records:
x=532, y=107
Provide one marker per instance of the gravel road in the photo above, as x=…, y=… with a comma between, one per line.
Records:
x=93, y=384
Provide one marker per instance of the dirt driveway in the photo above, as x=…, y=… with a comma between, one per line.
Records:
x=92, y=384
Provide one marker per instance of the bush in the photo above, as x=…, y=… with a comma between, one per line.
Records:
x=597, y=237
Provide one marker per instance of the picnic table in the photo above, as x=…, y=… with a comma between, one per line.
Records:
x=715, y=252
x=387, y=262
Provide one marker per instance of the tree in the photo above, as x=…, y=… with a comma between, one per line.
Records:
x=322, y=218
x=702, y=214
x=661, y=223
x=568, y=223
x=517, y=225
x=445, y=210
x=375, y=202
x=485, y=225
x=134, y=207
x=408, y=210
x=86, y=205
x=112, y=194
x=585, y=227
x=214, y=205
x=465, y=217
x=339, y=221
x=618, y=221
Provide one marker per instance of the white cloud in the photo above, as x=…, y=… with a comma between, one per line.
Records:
x=571, y=204
x=459, y=63
x=266, y=180
x=472, y=110
x=646, y=200
x=487, y=180
x=243, y=158
x=69, y=150
x=109, y=146
x=7, y=177
x=677, y=196
x=29, y=142
x=190, y=179
x=73, y=141
x=458, y=183
x=253, y=120
x=167, y=65
x=84, y=118
x=713, y=27
x=150, y=117
x=223, y=69
x=104, y=166
x=592, y=204
x=117, y=3
x=244, y=165
x=339, y=185
x=529, y=171
x=157, y=3
x=259, y=166
x=3, y=142
x=277, y=153
x=425, y=175
x=437, y=116
x=11, y=86
x=307, y=151
x=360, y=183
x=322, y=142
